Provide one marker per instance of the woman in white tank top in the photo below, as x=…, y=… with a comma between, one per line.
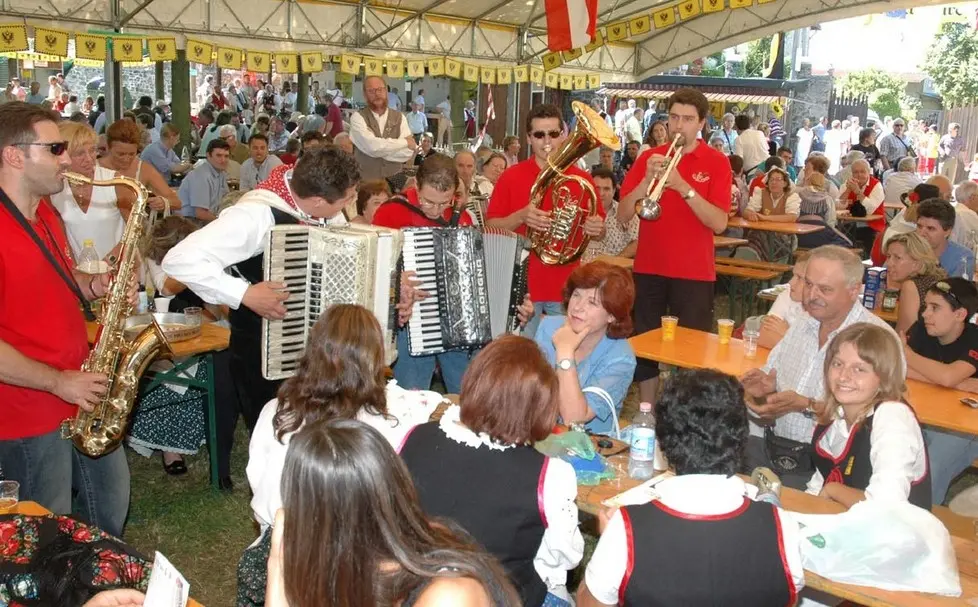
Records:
x=89, y=213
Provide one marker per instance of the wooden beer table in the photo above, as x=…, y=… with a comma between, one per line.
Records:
x=777, y=247
x=726, y=242
x=35, y=509
x=935, y=405
x=200, y=349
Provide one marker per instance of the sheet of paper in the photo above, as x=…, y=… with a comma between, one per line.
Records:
x=167, y=587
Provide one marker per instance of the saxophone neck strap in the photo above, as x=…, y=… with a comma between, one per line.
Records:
x=58, y=267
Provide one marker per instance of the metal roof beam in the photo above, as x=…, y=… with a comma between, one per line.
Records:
x=492, y=9
x=413, y=16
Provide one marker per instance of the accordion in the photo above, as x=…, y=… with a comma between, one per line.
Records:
x=475, y=282
x=353, y=264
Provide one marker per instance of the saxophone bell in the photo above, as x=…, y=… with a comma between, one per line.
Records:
x=649, y=208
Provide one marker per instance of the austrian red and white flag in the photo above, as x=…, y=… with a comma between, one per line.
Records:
x=570, y=23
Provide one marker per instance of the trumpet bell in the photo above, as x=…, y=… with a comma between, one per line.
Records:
x=648, y=209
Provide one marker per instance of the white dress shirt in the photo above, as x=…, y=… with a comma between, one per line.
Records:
x=896, y=452
x=787, y=309
x=702, y=494
x=965, y=222
x=897, y=184
x=751, y=145
x=870, y=202
x=266, y=455
x=393, y=150
x=800, y=361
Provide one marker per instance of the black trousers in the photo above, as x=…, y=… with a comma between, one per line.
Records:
x=658, y=296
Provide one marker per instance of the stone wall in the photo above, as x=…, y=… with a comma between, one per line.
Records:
x=137, y=81
x=809, y=101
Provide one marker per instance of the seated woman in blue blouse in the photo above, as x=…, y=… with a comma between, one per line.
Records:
x=589, y=348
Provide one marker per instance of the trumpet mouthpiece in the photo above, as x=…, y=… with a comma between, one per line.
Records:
x=680, y=140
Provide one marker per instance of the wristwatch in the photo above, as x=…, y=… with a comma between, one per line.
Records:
x=566, y=364
x=690, y=194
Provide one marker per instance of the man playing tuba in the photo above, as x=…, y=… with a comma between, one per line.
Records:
x=510, y=208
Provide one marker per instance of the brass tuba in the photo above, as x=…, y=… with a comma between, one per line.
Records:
x=564, y=241
x=101, y=430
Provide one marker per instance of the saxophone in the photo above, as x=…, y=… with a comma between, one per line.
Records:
x=101, y=430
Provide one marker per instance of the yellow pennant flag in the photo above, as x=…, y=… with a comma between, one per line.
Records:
x=90, y=46
x=488, y=75
x=617, y=31
x=521, y=73
x=689, y=9
x=536, y=74
x=287, y=63
x=741, y=3
x=664, y=18
x=453, y=68
x=311, y=62
x=766, y=1
x=712, y=6
x=580, y=82
x=395, y=68
x=13, y=38
x=640, y=25
x=415, y=69
x=350, y=64
x=373, y=66
x=593, y=81
x=597, y=43
x=199, y=51
x=470, y=73
x=436, y=66
x=566, y=82
x=504, y=75
x=51, y=41
x=552, y=80
x=258, y=61
x=572, y=54
x=551, y=61
x=229, y=58
x=162, y=49
x=127, y=48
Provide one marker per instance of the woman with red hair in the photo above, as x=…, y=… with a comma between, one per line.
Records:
x=593, y=359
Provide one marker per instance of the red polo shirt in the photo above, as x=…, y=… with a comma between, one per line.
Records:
x=678, y=244
x=512, y=193
x=40, y=318
x=396, y=216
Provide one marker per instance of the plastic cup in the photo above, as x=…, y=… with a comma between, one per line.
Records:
x=162, y=304
x=669, y=324
x=143, y=303
x=193, y=316
x=9, y=495
x=725, y=330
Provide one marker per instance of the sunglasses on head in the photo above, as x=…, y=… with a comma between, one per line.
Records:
x=542, y=134
x=945, y=288
x=56, y=148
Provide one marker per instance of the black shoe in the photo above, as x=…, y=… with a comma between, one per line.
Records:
x=175, y=468
x=225, y=484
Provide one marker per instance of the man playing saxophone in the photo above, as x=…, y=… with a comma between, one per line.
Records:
x=674, y=267
x=43, y=341
x=510, y=209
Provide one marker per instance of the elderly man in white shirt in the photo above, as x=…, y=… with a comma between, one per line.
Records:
x=380, y=134
x=901, y=181
x=788, y=392
x=965, y=229
x=444, y=122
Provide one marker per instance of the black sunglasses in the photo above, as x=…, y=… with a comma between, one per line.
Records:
x=56, y=148
x=945, y=288
x=542, y=134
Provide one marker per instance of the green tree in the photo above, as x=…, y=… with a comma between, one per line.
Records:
x=886, y=92
x=758, y=53
x=952, y=62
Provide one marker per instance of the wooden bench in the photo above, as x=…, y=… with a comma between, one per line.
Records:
x=757, y=265
x=743, y=284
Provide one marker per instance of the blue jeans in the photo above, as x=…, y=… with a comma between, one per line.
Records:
x=49, y=469
x=550, y=308
x=950, y=453
x=415, y=372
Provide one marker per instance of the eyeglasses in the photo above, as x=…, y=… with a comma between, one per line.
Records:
x=542, y=134
x=945, y=288
x=56, y=148
x=432, y=204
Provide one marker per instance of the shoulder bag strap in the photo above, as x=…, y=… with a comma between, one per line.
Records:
x=68, y=280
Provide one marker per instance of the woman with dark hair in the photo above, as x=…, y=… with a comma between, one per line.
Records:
x=516, y=502
x=735, y=551
x=124, y=138
x=658, y=134
x=352, y=533
x=371, y=195
x=594, y=362
x=493, y=167
x=341, y=376
x=867, y=145
x=774, y=201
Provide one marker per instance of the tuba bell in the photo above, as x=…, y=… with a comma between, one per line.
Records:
x=565, y=241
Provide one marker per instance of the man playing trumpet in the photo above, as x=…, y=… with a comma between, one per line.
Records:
x=674, y=267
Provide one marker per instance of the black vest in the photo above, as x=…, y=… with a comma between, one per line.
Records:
x=853, y=468
x=492, y=494
x=734, y=559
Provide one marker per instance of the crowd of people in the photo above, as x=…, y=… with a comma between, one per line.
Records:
x=355, y=485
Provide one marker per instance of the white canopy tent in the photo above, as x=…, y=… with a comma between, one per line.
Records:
x=490, y=31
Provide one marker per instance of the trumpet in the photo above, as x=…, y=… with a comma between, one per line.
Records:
x=649, y=208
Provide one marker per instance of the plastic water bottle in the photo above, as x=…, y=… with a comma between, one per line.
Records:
x=185, y=155
x=641, y=456
x=88, y=259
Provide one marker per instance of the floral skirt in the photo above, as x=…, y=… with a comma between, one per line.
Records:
x=166, y=420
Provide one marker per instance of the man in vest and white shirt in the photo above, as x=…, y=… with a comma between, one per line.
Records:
x=381, y=135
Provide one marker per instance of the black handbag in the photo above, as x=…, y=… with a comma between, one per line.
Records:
x=788, y=456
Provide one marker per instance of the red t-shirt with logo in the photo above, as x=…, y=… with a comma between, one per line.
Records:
x=678, y=244
x=395, y=215
x=512, y=193
x=40, y=317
